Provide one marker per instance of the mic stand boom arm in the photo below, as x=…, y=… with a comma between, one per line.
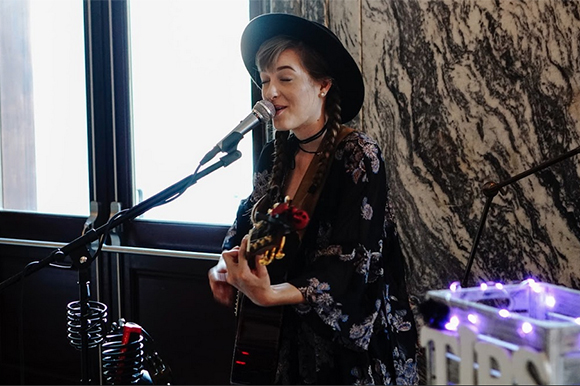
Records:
x=491, y=189
x=130, y=214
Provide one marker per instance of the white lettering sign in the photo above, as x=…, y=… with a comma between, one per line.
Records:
x=495, y=364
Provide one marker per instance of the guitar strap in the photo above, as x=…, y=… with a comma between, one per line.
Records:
x=307, y=194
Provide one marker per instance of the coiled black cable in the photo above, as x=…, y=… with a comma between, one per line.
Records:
x=129, y=357
x=96, y=319
x=123, y=363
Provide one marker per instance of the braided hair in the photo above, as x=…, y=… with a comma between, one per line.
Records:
x=317, y=68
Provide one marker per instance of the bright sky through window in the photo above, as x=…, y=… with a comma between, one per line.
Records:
x=190, y=88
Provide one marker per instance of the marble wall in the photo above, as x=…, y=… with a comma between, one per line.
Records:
x=460, y=93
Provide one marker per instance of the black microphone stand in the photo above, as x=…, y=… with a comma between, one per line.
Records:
x=81, y=258
x=491, y=189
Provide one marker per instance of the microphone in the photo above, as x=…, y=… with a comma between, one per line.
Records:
x=262, y=112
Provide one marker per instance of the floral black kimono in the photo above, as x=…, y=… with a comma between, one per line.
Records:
x=356, y=326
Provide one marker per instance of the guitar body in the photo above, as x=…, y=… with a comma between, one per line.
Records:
x=255, y=358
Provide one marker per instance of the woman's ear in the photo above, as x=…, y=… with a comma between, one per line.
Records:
x=324, y=87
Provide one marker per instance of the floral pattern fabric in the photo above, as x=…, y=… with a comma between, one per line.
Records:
x=356, y=326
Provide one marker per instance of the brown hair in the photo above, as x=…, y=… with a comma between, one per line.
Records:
x=317, y=68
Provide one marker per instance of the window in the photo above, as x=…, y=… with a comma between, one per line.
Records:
x=189, y=89
x=43, y=122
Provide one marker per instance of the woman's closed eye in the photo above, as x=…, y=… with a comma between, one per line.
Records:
x=285, y=76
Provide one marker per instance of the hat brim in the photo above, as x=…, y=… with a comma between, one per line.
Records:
x=343, y=68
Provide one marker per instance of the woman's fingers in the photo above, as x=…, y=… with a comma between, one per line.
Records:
x=236, y=266
x=217, y=274
x=231, y=256
x=254, y=282
x=243, y=247
x=260, y=270
x=222, y=291
x=235, y=258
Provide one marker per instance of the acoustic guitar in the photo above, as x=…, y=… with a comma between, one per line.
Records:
x=255, y=356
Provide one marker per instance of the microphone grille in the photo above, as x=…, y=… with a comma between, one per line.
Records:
x=264, y=110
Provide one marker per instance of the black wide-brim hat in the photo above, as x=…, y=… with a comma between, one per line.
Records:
x=343, y=68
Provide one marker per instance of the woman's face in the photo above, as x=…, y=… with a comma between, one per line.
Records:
x=296, y=96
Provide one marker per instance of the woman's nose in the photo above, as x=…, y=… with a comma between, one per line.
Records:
x=269, y=92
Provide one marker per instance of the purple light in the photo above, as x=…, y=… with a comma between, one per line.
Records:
x=472, y=318
x=454, y=286
x=453, y=323
x=577, y=320
x=527, y=328
x=535, y=286
x=483, y=286
x=504, y=313
x=550, y=301
x=499, y=286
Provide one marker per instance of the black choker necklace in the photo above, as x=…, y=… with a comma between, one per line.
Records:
x=308, y=151
x=310, y=139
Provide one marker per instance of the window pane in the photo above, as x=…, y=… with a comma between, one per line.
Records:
x=190, y=88
x=43, y=106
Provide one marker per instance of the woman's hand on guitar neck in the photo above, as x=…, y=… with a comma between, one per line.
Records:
x=255, y=283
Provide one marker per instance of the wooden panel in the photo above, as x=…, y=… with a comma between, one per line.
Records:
x=171, y=299
x=36, y=308
x=178, y=236
x=46, y=227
